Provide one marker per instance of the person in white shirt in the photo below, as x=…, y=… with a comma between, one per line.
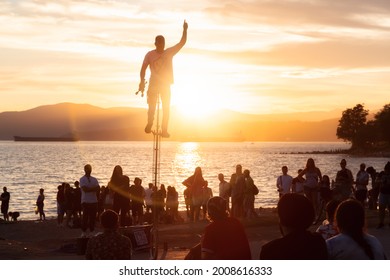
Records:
x=284, y=182
x=89, y=200
x=161, y=78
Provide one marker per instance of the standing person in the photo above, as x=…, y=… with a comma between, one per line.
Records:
x=353, y=243
x=110, y=245
x=195, y=184
x=120, y=185
x=373, y=193
x=249, y=195
x=298, y=184
x=40, y=204
x=148, y=197
x=137, y=196
x=384, y=194
x=60, y=199
x=224, y=238
x=89, y=186
x=188, y=201
x=69, y=208
x=237, y=183
x=172, y=203
x=224, y=189
x=5, y=198
x=284, y=182
x=207, y=194
x=362, y=178
x=344, y=181
x=313, y=178
x=161, y=78
x=163, y=194
x=296, y=215
x=77, y=199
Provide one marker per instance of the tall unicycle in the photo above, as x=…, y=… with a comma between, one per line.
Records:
x=153, y=233
x=156, y=179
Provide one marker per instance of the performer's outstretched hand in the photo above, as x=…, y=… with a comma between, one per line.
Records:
x=185, y=25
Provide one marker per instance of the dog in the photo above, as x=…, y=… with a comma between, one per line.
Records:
x=14, y=215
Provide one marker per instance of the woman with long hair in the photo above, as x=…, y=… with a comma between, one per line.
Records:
x=196, y=184
x=313, y=178
x=353, y=243
x=120, y=185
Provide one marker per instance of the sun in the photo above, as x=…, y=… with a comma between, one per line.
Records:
x=194, y=102
x=197, y=93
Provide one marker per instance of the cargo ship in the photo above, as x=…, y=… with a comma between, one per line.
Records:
x=46, y=139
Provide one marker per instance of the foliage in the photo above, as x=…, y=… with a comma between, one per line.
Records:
x=364, y=135
x=351, y=123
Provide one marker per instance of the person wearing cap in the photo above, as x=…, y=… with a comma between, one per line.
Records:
x=109, y=245
x=224, y=238
x=296, y=214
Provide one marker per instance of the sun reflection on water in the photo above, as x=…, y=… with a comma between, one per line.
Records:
x=187, y=157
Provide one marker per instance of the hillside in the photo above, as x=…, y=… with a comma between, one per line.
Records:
x=88, y=122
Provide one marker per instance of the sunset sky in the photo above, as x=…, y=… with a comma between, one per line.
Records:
x=252, y=56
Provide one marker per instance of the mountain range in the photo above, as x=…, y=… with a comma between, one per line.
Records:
x=91, y=123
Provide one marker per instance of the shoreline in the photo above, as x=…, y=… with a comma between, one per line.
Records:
x=34, y=240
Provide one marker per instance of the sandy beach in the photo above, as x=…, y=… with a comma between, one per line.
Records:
x=34, y=240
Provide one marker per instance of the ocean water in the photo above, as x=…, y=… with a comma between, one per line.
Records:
x=25, y=167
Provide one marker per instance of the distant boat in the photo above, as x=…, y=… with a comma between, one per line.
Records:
x=46, y=139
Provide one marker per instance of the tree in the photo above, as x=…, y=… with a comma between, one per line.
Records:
x=382, y=119
x=350, y=125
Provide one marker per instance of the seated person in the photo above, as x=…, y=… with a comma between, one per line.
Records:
x=110, y=245
x=328, y=229
x=296, y=214
x=353, y=243
x=224, y=238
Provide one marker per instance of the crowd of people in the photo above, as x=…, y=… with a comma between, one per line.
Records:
x=340, y=236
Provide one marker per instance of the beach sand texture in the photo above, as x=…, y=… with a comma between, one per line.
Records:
x=34, y=240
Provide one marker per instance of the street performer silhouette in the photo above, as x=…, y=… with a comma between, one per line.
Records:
x=161, y=77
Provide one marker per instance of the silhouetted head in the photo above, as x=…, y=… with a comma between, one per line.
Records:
x=137, y=181
x=387, y=167
x=216, y=208
x=284, y=169
x=5, y=189
x=198, y=171
x=159, y=43
x=88, y=169
x=221, y=177
x=310, y=163
x=343, y=163
x=350, y=217
x=295, y=211
x=371, y=170
x=331, y=207
x=109, y=219
x=239, y=169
